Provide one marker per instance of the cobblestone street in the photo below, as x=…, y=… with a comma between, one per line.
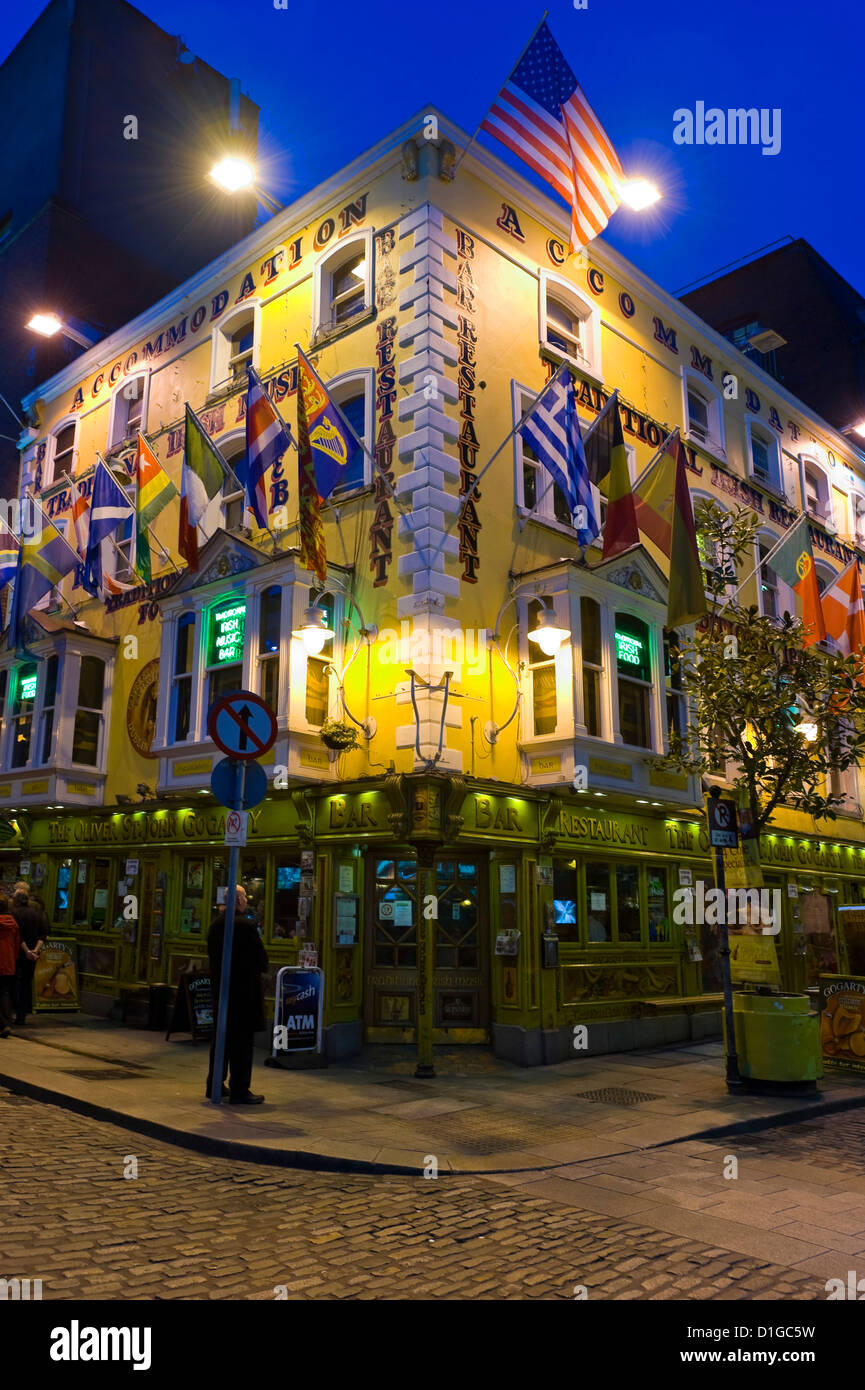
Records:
x=194, y=1227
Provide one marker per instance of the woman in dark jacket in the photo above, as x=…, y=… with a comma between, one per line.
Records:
x=245, y=1001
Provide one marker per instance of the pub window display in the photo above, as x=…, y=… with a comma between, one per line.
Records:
x=602, y=903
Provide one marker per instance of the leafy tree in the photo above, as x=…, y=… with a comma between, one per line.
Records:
x=751, y=680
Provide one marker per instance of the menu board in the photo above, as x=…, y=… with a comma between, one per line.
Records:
x=842, y=1021
x=193, y=1006
x=55, y=978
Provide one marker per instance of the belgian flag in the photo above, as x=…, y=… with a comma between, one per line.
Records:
x=620, y=532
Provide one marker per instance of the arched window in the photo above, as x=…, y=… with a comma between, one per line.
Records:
x=634, y=670
x=60, y=454
x=569, y=324
x=354, y=393
x=765, y=456
x=342, y=285
x=235, y=346
x=704, y=412
x=817, y=497
x=128, y=410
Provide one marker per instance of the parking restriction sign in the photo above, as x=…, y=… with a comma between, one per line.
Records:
x=235, y=827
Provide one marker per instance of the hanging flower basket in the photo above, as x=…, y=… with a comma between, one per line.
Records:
x=338, y=735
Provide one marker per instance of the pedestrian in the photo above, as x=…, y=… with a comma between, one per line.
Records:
x=245, y=1000
x=10, y=949
x=33, y=926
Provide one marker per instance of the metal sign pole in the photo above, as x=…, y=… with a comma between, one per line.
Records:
x=227, y=944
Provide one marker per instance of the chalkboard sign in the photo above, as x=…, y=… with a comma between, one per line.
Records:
x=193, y=1006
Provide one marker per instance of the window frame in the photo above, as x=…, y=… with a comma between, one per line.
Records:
x=825, y=515
x=49, y=466
x=221, y=379
x=580, y=307
x=774, y=478
x=331, y=259
x=116, y=441
x=543, y=511
x=696, y=383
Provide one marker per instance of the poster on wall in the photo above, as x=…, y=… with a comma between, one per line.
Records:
x=55, y=979
x=842, y=1021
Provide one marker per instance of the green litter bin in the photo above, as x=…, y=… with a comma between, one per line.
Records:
x=777, y=1038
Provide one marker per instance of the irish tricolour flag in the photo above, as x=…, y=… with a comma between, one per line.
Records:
x=200, y=480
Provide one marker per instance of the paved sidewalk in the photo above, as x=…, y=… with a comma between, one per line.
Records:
x=479, y=1115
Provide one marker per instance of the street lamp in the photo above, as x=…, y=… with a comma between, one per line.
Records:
x=547, y=633
x=48, y=324
x=638, y=194
x=313, y=631
x=549, y=636
x=234, y=173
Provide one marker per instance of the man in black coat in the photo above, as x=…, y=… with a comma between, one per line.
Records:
x=245, y=1000
x=33, y=927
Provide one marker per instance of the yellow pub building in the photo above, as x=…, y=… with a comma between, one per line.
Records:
x=498, y=854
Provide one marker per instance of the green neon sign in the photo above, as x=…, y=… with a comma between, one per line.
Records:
x=27, y=684
x=227, y=632
x=629, y=649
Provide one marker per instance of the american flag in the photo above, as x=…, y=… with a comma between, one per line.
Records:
x=542, y=115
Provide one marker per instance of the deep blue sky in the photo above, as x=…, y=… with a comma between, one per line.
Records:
x=637, y=60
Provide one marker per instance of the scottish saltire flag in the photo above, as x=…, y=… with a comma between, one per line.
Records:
x=153, y=491
x=109, y=508
x=267, y=439
x=9, y=549
x=42, y=562
x=201, y=478
x=334, y=448
x=542, y=115
x=552, y=428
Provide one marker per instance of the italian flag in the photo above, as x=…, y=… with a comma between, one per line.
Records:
x=154, y=490
x=620, y=531
x=200, y=480
x=662, y=500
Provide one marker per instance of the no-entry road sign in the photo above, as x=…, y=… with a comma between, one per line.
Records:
x=242, y=725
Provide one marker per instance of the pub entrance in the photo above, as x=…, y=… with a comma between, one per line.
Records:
x=460, y=949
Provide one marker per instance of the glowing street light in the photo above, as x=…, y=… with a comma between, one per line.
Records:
x=638, y=194
x=49, y=324
x=46, y=324
x=313, y=631
x=548, y=634
x=808, y=729
x=233, y=173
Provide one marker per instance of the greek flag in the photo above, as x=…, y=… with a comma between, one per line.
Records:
x=552, y=429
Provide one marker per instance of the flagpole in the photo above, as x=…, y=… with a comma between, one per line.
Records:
x=590, y=429
x=467, y=496
x=775, y=548
x=498, y=89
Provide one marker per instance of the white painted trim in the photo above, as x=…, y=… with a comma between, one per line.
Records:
x=220, y=337
x=583, y=308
